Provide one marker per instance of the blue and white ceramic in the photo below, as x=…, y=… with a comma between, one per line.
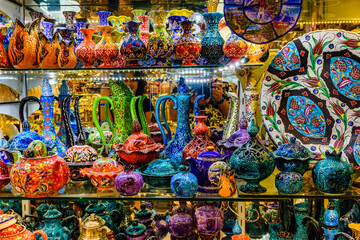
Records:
x=184, y=184
x=288, y=181
x=332, y=175
x=331, y=222
x=103, y=17
x=47, y=29
x=80, y=23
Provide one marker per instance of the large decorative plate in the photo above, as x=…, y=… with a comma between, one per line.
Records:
x=312, y=91
x=261, y=21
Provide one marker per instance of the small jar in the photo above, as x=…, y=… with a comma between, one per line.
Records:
x=129, y=182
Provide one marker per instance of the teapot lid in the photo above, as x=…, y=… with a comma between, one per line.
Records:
x=210, y=153
x=292, y=150
x=95, y=208
x=6, y=220
x=44, y=207
x=93, y=222
x=162, y=167
x=135, y=229
x=52, y=213
x=143, y=213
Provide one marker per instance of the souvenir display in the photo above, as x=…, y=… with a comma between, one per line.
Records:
x=230, y=125
x=144, y=216
x=52, y=225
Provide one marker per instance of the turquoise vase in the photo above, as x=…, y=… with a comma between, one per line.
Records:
x=300, y=212
x=331, y=222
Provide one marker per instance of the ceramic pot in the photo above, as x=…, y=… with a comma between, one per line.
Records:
x=118, y=22
x=288, y=181
x=39, y=177
x=188, y=47
x=136, y=231
x=112, y=219
x=332, y=175
x=93, y=228
x=253, y=162
x=227, y=185
x=86, y=50
x=162, y=225
x=69, y=19
x=144, y=28
x=129, y=182
x=209, y=220
x=24, y=45
x=160, y=45
x=235, y=48
x=66, y=57
x=255, y=52
x=133, y=49
x=52, y=226
x=103, y=17
x=106, y=50
x=175, y=28
x=184, y=184
x=4, y=61
x=181, y=223
x=144, y=216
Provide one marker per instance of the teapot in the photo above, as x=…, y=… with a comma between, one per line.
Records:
x=93, y=228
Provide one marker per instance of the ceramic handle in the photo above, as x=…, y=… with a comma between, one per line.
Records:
x=41, y=233
x=144, y=124
x=107, y=117
x=197, y=105
x=22, y=104
x=157, y=116
x=95, y=119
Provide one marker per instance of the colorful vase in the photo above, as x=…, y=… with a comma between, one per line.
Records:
x=129, y=182
x=24, y=46
x=188, y=46
x=255, y=52
x=103, y=17
x=48, y=52
x=160, y=45
x=86, y=50
x=235, y=48
x=106, y=50
x=181, y=222
x=69, y=19
x=133, y=49
x=66, y=34
x=144, y=28
x=137, y=13
x=4, y=61
x=47, y=29
x=118, y=22
x=36, y=16
x=80, y=23
x=332, y=175
x=184, y=184
x=118, y=38
x=66, y=57
x=176, y=30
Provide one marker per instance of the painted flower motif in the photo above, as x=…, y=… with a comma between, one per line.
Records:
x=270, y=111
x=315, y=122
x=341, y=65
x=295, y=58
x=275, y=87
x=318, y=48
x=339, y=143
x=314, y=82
x=300, y=119
x=355, y=89
x=294, y=104
x=279, y=60
x=353, y=43
x=355, y=73
x=284, y=139
x=337, y=109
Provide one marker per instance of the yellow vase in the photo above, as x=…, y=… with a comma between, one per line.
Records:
x=118, y=22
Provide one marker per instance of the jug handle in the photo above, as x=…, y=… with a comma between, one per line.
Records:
x=142, y=116
x=41, y=233
x=168, y=135
x=111, y=125
x=22, y=105
x=158, y=102
x=197, y=105
x=133, y=108
x=95, y=119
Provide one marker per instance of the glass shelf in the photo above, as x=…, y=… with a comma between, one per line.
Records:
x=77, y=192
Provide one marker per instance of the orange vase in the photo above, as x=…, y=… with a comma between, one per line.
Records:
x=48, y=54
x=106, y=50
x=24, y=46
x=86, y=50
x=67, y=57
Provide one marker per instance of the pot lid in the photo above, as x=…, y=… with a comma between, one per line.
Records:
x=162, y=167
x=95, y=208
x=80, y=155
x=52, y=213
x=292, y=150
x=210, y=153
x=23, y=139
x=135, y=229
x=93, y=222
x=7, y=220
x=44, y=207
x=143, y=213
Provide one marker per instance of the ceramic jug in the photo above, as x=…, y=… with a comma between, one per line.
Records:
x=112, y=219
x=182, y=136
x=93, y=228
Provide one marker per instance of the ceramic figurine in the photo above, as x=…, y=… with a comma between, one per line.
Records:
x=295, y=154
x=160, y=45
x=105, y=49
x=94, y=228
x=332, y=175
x=10, y=230
x=144, y=216
x=201, y=140
x=139, y=149
x=4, y=62
x=103, y=17
x=200, y=168
x=136, y=231
x=86, y=50
x=235, y=48
x=237, y=139
x=144, y=28
x=188, y=47
x=256, y=229
x=112, y=219
x=181, y=222
x=209, y=220
x=252, y=162
x=103, y=171
x=288, y=181
x=23, y=45
x=129, y=182
x=212, y=42
x=52, y=225
x=182, y=136
x=184, y=184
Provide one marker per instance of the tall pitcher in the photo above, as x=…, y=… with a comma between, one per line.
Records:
x=182, y=136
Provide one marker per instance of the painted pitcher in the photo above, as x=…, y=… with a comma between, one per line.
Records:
x=174, y=147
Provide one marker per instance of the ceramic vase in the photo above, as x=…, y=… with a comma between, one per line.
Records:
x=86, y=50
x=103, y=17
x=176, y=30
x=133, y=49
x=80, y=23
x=47, y=29
x=288, y=181
x=331, y=222
x=36, y=15
x=256, y=229
x=332, y=175
x=66, y=57
x=48, y=51
x=188, y=47
x=235, y=48
x=66, y=34
x=212, y=42
x=129, y=182
x=4, y=61
x=144, y=28
x=137, y=13
x=105, y=49
x=162, y=224
x=69, y=19
x=184, y=184
x=118, y=38
x=181, y=224
x=209, y=220
x=160, y=45
x=118, y=22
x=255, y=52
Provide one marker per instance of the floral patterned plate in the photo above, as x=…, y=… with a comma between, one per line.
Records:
x=312, y=91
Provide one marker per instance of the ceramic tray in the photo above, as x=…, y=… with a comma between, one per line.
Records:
x=312, y=91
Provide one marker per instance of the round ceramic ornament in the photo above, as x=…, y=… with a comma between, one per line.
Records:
x=261, y=21
x=312, y=92
x=215, y=171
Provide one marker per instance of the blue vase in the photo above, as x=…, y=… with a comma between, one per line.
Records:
x=103, y=17
x=332, y=175
x=176, y=30
x=52, y=226
x=288, y=181
x=212, y=42
x=331, y=222
x=184, y=184
x=47, y=29
x=81, y=23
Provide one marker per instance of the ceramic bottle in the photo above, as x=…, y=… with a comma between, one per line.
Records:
x=86, y=50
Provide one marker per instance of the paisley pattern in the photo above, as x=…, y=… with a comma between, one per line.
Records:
x=312, y=91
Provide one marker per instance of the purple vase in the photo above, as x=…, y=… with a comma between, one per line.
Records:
x=209, y=220
x=47, y=29
x=162, y=225
x=129, y=182
x=69, y=19
x=181, y=225
x=103, y=17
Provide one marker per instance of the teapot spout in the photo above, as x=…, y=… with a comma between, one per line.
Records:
x=191, y=162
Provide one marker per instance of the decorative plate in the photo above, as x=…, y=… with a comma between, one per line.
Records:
x=312, y=91
x=261, y=21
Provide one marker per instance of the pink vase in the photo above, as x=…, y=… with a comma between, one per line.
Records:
x=144, y=28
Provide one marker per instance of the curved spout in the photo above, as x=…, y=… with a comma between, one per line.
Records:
x=191, y=162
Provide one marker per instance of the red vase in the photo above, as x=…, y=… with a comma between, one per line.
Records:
x=106, y=50
x=188, y=47
x=144, y=28
x=235, y=48
x=39, y=177
x=85, y=52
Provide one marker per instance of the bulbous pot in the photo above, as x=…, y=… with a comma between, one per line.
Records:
x=39, y=177
x=289, y=182
x=129, y=182
x=209, y=219
x=86, y=50
x=184, y=184
x=181, y=225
